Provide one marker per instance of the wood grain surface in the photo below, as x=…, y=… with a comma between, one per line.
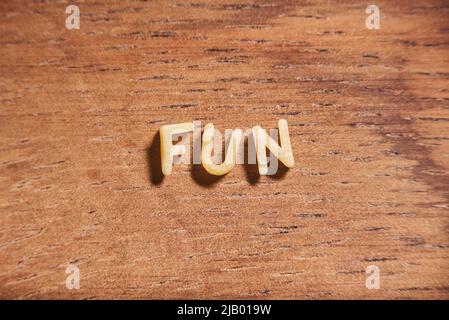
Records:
x=80, y=178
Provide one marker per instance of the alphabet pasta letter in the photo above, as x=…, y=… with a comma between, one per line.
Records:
x=231, y=155
x=168, y=150
x=263, y=140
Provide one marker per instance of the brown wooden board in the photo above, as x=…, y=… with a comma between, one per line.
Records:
x=80, y=179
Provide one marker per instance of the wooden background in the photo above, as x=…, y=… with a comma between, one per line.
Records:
x=80, y=177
